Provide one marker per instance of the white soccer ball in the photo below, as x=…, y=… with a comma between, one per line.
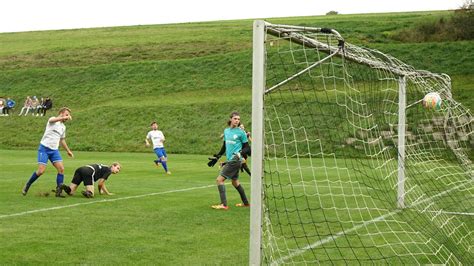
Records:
x=432, y=100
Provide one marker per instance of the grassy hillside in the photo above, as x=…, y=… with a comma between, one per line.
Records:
x=188, y=77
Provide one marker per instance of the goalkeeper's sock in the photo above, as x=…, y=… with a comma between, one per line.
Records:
x=221, y=189
x=165, y=166
x=59, y=179
x=241, y=191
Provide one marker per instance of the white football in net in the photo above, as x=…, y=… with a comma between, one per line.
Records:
x=432, y=100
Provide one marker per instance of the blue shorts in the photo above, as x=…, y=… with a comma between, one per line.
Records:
x=45, y=153
x=160, y=152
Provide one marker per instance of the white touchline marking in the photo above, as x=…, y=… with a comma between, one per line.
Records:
x=102, y=201
x=342, y=233
x=453, y=213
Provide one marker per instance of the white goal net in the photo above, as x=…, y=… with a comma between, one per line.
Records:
x=354, y=169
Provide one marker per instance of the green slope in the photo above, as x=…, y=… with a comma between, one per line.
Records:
x=188, y=76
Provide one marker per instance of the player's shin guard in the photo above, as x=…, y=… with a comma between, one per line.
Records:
x=165, y=165
x=32, y=179
x=222, y=195
x=241, y=191
x=59, y=179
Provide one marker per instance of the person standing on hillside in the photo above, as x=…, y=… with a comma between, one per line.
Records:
x=157, y=138
x=54, y=134
x=89, y=174
x=235, y=144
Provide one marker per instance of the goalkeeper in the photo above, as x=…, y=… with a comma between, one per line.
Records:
x=235, y=145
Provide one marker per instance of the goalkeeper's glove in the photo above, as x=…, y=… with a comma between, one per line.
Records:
x=213, y=160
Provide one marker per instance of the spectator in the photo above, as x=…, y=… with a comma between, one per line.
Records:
x=9, y=105
x=39, y=108
x=26, y=105
x=48, y=104
x=34, y=104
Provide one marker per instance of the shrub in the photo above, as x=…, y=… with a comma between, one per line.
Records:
x=460, y=26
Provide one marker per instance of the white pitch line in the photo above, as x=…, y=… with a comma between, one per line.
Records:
x=454, y=213
x=102, y=201
x=342, y=233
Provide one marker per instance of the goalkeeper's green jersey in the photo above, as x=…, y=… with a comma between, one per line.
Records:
x=234, y=138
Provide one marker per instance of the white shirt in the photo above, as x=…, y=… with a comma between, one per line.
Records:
x=157, y=138
x=52, y=134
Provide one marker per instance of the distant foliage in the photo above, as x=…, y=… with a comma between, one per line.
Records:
x=460, y=26
x=330, y=13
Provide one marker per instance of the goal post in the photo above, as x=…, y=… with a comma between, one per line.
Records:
x=348, y=167
x=258, y=88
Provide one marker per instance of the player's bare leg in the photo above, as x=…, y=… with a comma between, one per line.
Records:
x=70, y=190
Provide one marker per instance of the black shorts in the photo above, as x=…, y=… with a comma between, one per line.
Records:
x=84, y=174
x=231, y=169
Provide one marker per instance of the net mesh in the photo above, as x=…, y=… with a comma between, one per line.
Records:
x=331, y=158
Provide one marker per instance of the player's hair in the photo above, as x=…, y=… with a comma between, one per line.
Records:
x=232, y=115
x=115, y=164
x=62, y=109
x=154, y=122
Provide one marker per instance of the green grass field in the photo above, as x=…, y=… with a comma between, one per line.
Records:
x=189, y=77
x=153, y=218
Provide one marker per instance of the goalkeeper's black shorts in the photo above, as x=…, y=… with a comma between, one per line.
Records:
x=231, y=168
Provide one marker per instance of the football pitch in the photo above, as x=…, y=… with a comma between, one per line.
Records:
x=153, y=218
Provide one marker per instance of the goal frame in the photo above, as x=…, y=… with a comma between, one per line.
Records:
x=258, y=94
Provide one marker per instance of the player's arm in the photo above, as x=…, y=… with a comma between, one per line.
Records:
x=102, y=188
x=147, y=143
x=213, y=160
x=64, y=144
x=60, y=118
x=246, y=150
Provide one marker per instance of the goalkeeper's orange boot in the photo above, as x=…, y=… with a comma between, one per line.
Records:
x=242, y=205
x=220, y=207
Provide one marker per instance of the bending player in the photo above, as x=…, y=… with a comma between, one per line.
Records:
x=89, y=174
